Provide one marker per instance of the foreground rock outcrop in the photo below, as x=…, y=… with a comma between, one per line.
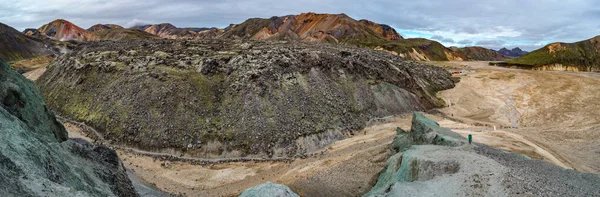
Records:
x=37, y=159
x=434, y=161
x=230, y=99
x=269, y=189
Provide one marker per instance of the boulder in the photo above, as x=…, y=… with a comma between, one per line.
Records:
x=269, y=189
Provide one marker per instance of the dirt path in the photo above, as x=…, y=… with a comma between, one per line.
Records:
x=503, y=139
x=557, y=113
x=35, y=74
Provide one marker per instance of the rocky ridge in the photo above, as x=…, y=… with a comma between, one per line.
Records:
x=228, y=99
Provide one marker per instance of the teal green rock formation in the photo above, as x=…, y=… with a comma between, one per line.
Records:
x=37, y=159
x=269, y=189
x=434, y=161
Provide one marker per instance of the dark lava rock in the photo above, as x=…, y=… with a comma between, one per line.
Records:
x=224, y=99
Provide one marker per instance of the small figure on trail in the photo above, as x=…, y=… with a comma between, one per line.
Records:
x=470, y=138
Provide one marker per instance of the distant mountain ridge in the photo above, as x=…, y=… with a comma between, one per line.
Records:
x=100, y=27
x=516, y=52
x=167, y=30
x=124, y=34
x=480, y=53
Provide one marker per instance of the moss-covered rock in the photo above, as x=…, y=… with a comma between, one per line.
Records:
x=232, y=99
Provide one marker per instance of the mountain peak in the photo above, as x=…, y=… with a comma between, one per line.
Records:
x=312, y=27
x=61, y=29
x=515, y=52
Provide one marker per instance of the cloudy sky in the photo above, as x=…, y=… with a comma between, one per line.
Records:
x=493, y=24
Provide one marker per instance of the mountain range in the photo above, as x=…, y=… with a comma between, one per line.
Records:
x=305, y=27
x=579, y=56
x=310, y=27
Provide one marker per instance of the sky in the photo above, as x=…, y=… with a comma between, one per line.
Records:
x=492, y=24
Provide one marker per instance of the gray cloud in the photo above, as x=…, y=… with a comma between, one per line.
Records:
x=465, y=42
x=490, y=42
x=437, y=37
x=442, y=39
x=468, y=29
x=448, y=40
x=516, y=22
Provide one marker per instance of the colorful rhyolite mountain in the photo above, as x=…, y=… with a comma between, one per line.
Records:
x=305, y=27
x=580, y=56
x=312, y=27
x=64, y=30
x=15, y=45
x=342, y=29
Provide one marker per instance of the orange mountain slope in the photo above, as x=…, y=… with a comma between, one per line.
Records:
x=64, y=30
x=310, y=27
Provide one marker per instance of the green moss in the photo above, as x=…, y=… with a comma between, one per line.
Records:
x=161, y=54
